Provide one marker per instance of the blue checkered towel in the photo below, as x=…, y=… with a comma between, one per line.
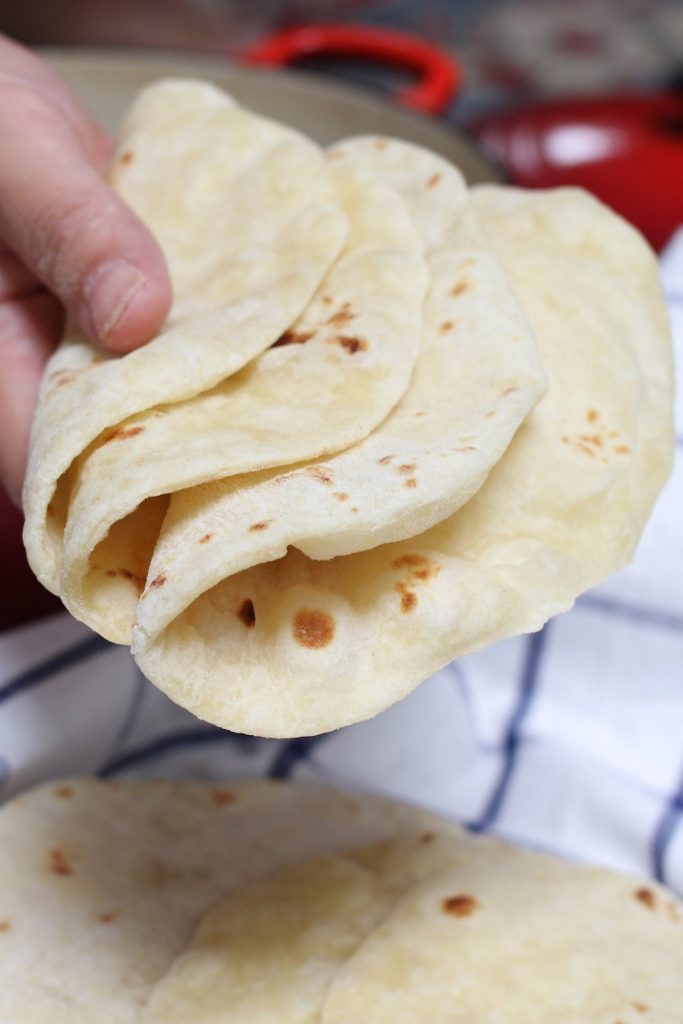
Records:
x=569, y=740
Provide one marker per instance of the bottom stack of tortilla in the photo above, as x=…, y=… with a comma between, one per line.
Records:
x=266, y=902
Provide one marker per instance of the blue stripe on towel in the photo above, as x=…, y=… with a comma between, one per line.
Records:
x=42, y=673
x=513, y=735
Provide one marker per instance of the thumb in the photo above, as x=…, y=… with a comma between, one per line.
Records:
x=71, y=230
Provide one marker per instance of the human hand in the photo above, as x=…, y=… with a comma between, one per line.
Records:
x=67, y=242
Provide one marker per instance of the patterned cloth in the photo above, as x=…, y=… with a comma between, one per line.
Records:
x=570, y=739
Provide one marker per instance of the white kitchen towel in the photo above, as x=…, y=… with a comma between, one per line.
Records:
x=569, y=740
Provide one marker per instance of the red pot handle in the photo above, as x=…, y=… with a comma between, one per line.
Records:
x=440, y=75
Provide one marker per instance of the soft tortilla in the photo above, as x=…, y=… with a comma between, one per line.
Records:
x=194, y=166
x=101, y=884
x=327, y=643
x=322, y=391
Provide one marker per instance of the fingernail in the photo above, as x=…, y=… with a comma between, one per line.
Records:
x=109, y=292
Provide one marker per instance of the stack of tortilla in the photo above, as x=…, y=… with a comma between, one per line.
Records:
x=274, y=903
x=389, y=420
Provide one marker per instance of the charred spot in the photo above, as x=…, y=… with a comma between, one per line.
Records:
x=257, y=527
x=409, y=560
x=107, y=916
x=407, y=467
x=434, y=180
x=426, y=837
x=60, y=863
x=127, y=157
x=206, y=538
x=318, y=473
x=622, y=449
x=124, y=433
x=125, y=574
x=343, y=315
x=312, y=628
x=408, y=597
x=293, y=338
x=341, y=496
x=352, y=344
x=385, y=460
x=460, y=905
x=64, y=792
x=51, y=510
x=221, y=796
x=592, y=415
x=646, y=897
x=446, y=326
x=459, y=287
x=158, y=581
x=246, y=613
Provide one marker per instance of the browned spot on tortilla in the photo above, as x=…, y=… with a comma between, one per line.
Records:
x=407, y=467
x=410, y=482
x=257, y=527
x=126, y=574
x=592, y=415
x=640, y=1007
x=584, y=448
x=408, y=597
x=124, y=434
x=460, y=905
x=565, y=439
x=427, y=837
x=293, y=338
x=159, y=580
x=591, y=439
x=446, y=326
x=341, y=495
x=434, y=180
x=127, y=157
x=206, y=538
x=409, y=560
x=646, y=897
x=60, y=863
x=352, y=344
x=328, y=300
x=673, y=911
x=354, y=509
x=380, y=144
x=51, y=511
x=459, y=287
x=334, y=154
x=64, y=792
x=318, y=473
x=421, y=412
x=5, y=926
x=342, y=316
x=246, y=613
x=490, y=415
x=107, y=916
x=385, y=459
x=221, y=796
x=313, y=628
x=509, y=391
x=622, y=449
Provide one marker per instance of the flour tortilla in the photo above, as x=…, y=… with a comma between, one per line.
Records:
x=102, y=884
x=301, y=646
x=280, y=942
x=508, y=935
x=320, y=392
x=194, y=166
x=426, y=928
